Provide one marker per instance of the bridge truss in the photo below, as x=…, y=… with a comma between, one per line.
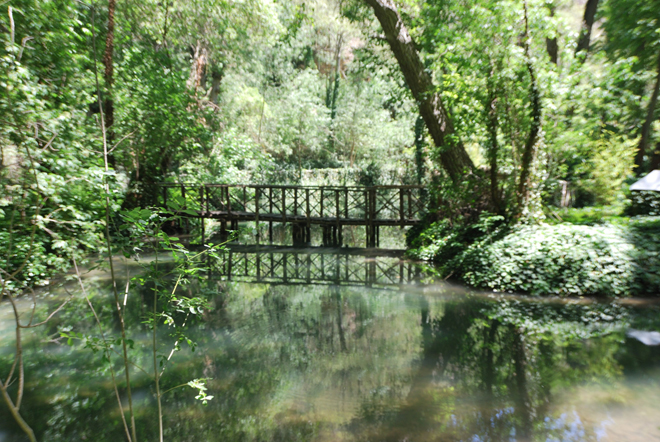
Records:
x=331, y=207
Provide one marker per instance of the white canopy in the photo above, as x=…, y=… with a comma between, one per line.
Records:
x=649, y=182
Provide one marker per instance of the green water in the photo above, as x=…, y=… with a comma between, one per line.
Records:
x=363, y=355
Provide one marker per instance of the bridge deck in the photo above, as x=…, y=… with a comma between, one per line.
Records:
x=279, y=218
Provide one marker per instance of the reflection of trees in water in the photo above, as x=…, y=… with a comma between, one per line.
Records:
x=277, y=354
x=408, y=366
x=490, y=370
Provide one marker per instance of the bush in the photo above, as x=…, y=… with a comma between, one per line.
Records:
x=564, y=260
x=644, y=203
x=559, y=260
x=644, y=235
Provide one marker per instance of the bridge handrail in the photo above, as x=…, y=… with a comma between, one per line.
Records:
x=393, y=204
x=293, y=186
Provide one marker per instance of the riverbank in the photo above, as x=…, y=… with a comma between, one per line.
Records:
x=611, y=259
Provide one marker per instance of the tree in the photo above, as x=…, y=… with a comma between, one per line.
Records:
x=108, y=76
x=453, y=157
x=585, y=31
x=535, y=127
x=636, y=35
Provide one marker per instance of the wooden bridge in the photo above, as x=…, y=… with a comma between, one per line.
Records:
x=330, y=207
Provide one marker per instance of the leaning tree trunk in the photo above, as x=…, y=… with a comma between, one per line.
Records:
x=108, y=76
x=587, y=23
x=646, y=128
x=453, y=157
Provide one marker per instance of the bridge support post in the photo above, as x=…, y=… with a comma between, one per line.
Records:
x=202, y=221
x=370, y=236
x=326, y=235
x=256, y=212
x=373, y=235
x=331, y=235
x=299, y=233
x=377, y=235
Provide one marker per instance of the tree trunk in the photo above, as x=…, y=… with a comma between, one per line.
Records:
x=655, y=159
x=528, y=152
x=646, y=128
x=335, y=92
x=534, y=130
x=493, y=146
x=551, y=43
x=108, y=76
x=419, y=149
x=453, y=157
x=198, y=68
x=552, y=48
x=587, y=23
x=216, y=81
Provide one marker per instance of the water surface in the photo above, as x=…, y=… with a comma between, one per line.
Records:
x=323, y=346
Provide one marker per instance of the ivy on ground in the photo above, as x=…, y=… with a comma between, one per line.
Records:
x=549, y=260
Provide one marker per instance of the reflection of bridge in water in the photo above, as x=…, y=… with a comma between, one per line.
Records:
x=315, y=265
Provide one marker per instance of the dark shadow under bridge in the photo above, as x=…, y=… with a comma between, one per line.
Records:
x=331, y=207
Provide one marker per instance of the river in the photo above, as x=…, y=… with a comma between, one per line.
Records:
x=326, y=345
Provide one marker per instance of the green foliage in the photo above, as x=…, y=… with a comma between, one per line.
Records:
x=611, y=162
x=592, y=215
x=235, y=158
x=644, y=203
x=628, y=35
x=443, y=241
x=644, y=234
x=50, y=180
x=559, y=260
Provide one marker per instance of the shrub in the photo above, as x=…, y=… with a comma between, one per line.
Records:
x=559, y=260
x=564, y=260
x=644, y=235
x=644, y=203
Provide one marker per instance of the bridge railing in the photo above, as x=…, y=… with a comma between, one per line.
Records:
x=395, y=204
